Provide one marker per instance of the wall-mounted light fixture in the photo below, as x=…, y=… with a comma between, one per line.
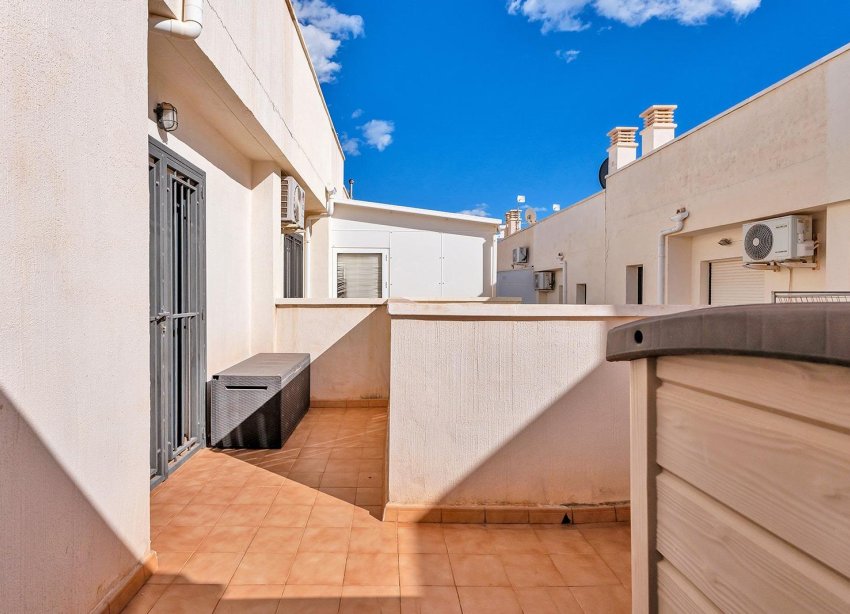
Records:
x=166, y=116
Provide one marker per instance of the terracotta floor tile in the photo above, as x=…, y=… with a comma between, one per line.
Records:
x=607, y=539
x=198, y=515
x=547, y=601
x=339, y=480
x=495, y=600
x=603, y=599
x=250, y=599
x=312, y=479
x=325, y=539
x=292, y=493
x=315, y=454
x=145, y=599
x=263, y=568
x=299, y=599
x=346, y=453
x=276, y=540
x=227, y=539
x=370, y=600
x=584, y=569
x=336, y=496
x=169, y=566
x=621, y=564
x=478, y=570
x=372, y=453
x=468, y=540
x=331, y=516
x=372, y=570
x=179, y=539
x=188, y=599
x=209, y=568
x=344, y=465
x=425, y=570
x=268, y=477
x=309, y=465
x=429, y=600
x=162, y=513
x=257, y=495
x=238, y=515
x=287, y=516
x=374, y=540
x=168, y=493
x=369, y=496
x=421, y=540
x=531, y=570
x=515, y=541
x=370, y=516
x=564, y=541
x=372, y=466
x=318, y=568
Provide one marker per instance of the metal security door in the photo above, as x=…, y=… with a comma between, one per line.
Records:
x=177, y=310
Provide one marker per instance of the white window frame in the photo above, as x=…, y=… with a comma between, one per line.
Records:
x=385, y=268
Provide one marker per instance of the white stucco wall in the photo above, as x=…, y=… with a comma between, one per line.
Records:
x=74, y=381
x=348, y=341
x=782, y=151
x=430, y=255
x=507, y=404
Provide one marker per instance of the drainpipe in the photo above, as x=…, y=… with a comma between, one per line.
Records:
x=679, y=218
x=189, y=27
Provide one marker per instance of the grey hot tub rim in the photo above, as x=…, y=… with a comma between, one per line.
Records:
x=817, y=333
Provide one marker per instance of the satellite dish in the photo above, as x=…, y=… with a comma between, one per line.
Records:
x=530, y=216
x=603, y=173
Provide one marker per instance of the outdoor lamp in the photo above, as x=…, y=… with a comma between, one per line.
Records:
x=166, y=116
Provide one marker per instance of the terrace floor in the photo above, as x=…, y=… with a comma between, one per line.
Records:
x=297, y=531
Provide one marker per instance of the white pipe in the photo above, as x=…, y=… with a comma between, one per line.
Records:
x=679, y=218
x=189, y=27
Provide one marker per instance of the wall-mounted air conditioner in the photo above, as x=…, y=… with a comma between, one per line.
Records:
x=520, y=255
x=544, y=281
x=779, y=239
x=292, y=198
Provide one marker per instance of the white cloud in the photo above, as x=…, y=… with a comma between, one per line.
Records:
x=568, y=55
x=481, y=210
x=568, y=15
x=378, y=133
x=350, y=145
x=357, y=113
x=324, y=29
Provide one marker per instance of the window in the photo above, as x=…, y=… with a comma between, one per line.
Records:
x=360, y=275
x=634, y=284
x=293, y=266
x=581, y=294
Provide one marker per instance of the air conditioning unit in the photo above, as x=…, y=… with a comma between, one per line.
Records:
x=544, y=281
x=520, y=255
x=292, y=199
x=779, y=239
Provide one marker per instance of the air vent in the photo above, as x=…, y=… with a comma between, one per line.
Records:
x=758, y=242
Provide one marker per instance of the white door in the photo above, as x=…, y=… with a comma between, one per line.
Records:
x=463, y=266
x=415, y=264
x=732, y=284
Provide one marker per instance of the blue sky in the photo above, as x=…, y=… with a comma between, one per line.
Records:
x=461, y=105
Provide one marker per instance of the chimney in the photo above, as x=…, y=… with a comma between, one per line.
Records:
x=512, y=222
x=658, y=126
x=623, y=147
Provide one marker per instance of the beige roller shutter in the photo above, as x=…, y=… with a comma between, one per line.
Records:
x=732, y=284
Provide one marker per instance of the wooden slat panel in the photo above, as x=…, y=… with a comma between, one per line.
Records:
x=789, y=476
x=676, y=594
x=813, y=391
x=643, y=470
x=735, y=563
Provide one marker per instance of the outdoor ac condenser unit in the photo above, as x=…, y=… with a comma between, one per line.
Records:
x=292, y=199
x=544, y=281
x=778, y=239
x=520, y=255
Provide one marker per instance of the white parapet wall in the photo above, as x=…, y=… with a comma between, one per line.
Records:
x=499, y=404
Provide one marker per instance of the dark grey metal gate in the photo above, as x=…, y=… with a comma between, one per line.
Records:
x=177, y=309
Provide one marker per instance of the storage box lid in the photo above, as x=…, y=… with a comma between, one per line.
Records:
x=809, y=332
x=284, y=366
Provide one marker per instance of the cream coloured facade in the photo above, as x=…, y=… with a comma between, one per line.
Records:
x=778, y=153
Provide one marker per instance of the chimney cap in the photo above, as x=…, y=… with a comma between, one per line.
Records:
x=659, y=114
x=623, y=135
